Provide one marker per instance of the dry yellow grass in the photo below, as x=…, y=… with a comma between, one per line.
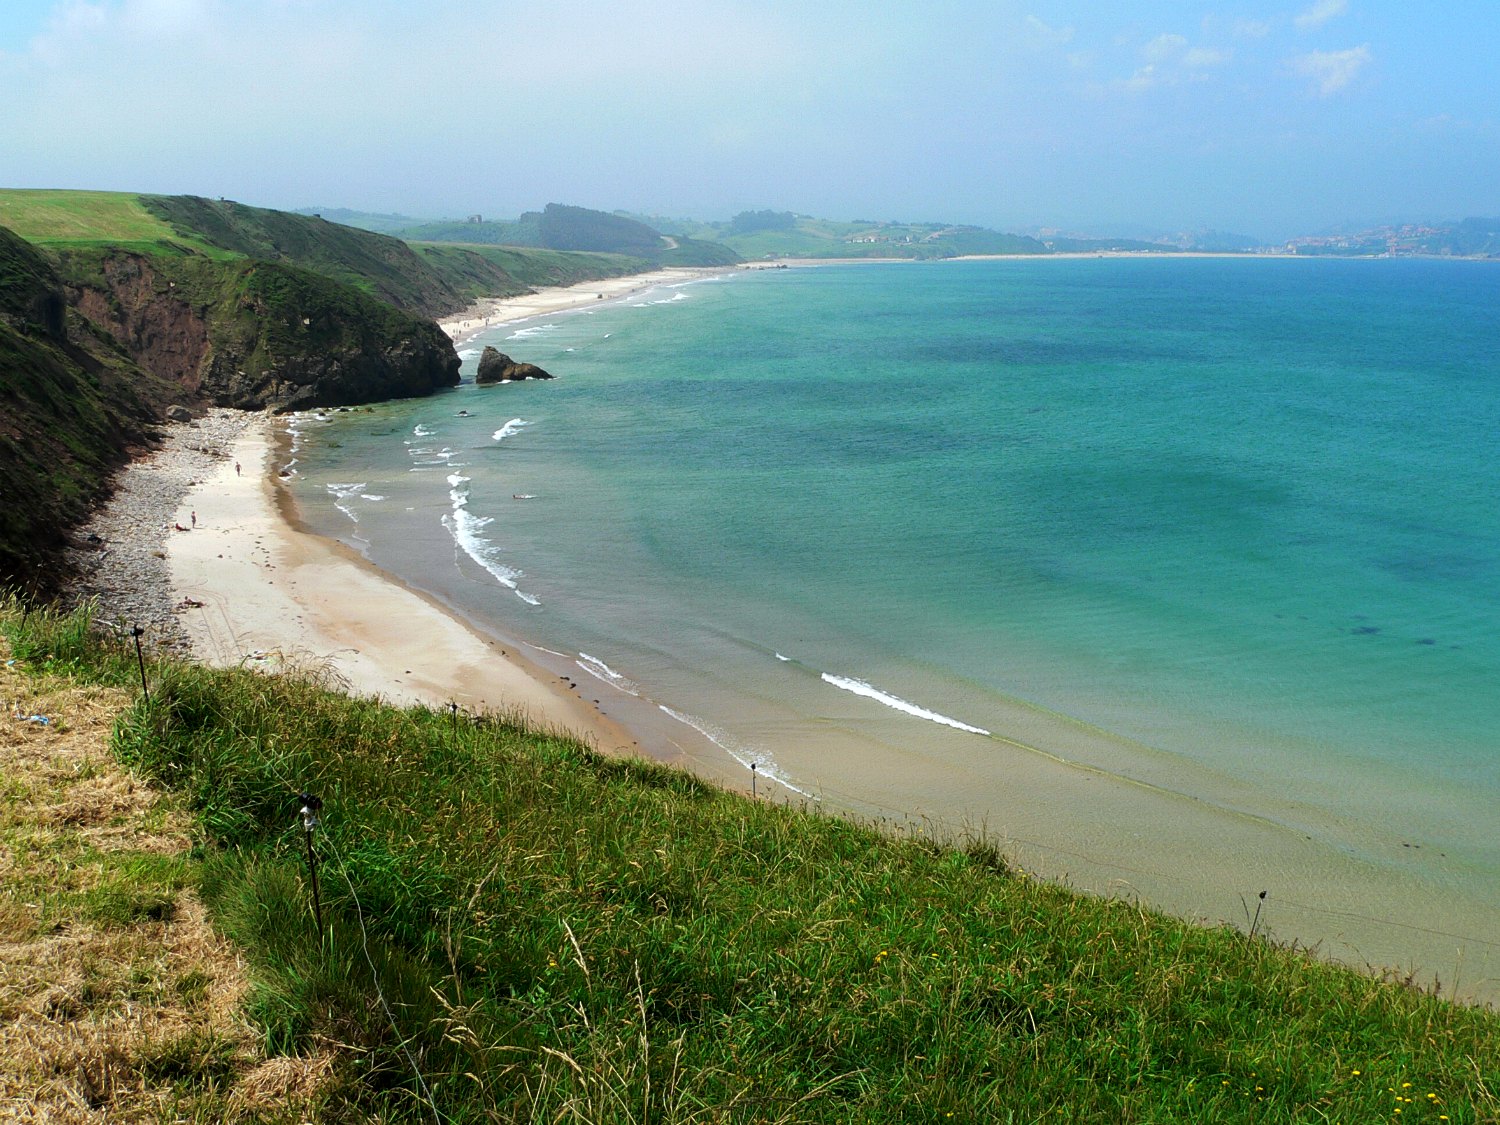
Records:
x=110, y=1012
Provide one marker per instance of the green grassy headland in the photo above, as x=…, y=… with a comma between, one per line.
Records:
x=415, y=278
x=518, y=928
x=76, y=219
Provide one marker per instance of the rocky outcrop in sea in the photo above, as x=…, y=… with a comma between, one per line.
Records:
x=497, y=367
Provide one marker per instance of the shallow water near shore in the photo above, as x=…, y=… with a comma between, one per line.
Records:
x=972, y=540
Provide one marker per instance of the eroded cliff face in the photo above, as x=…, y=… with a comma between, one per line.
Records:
x=161, y=332
x=256, y=334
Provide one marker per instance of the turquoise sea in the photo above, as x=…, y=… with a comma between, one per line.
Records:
x=905, y=534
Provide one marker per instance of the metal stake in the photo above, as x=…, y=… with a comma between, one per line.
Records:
x=1256, y=921
x=753, y=767
x=310, y=809
x=140, y=660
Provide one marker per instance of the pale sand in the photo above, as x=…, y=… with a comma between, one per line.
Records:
x=491, y=311
x=274, y=595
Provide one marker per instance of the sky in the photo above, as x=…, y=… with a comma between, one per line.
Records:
x=1120, y=117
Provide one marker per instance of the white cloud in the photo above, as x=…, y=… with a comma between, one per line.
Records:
x=1252, y=29
x=1163, y=47
x=1320, y=13
x=1039, y=35
x=1143, y=79
x=1332, y=71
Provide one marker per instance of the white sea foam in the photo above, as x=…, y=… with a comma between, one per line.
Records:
x=370, y=496
x=514, y=426
x=764, y=764
x=536, y=330
x=859, y=687
x=602, y=671
x=342, y=493
x=420, y=430
x=783, y=659
x=436, y=457
x=298, y=423
x=466, y=529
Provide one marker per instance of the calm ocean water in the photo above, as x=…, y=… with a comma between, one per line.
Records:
x=1224, y=527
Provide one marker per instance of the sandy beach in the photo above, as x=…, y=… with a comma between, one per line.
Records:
x=491, y=311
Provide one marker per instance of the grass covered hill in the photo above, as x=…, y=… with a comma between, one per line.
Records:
x=783, y=234
x=562, y=227
x=379, y=265
x=515, y=927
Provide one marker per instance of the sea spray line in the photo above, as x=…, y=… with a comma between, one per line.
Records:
x=538, y=330
x=465, y=528
x=765, y=764
x=602, y=671
x=869, y=691
x=341, y=494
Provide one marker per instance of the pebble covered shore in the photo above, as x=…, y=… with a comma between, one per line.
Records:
x=120, y=559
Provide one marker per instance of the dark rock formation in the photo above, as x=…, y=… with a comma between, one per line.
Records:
x=497, y=367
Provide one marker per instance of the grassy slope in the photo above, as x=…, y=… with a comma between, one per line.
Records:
x=578, y=230
x=521, y=929
x=412, y=278
x=57, y=219
x=376, y=264
x=114, y=992
x=472, y=267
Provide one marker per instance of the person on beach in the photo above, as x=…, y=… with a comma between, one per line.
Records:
x=194, y=517
x=236, y=468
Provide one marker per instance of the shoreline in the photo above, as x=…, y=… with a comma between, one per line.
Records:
x=342, y=612
x=255, y=588
x=490, y=312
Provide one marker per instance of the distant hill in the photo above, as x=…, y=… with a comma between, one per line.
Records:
x=1468, y=238
x=1472, y=238
x=364, y=220
x=562, y=227
x=783, y=234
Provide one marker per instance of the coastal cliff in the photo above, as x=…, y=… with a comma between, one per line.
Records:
x=256, y=334
x=98, y=344
x=73, y=406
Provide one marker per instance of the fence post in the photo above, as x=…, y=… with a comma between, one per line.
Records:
x=140, y=660
x=311, y=806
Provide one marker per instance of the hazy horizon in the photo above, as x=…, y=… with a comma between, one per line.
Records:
x=1128, y=118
